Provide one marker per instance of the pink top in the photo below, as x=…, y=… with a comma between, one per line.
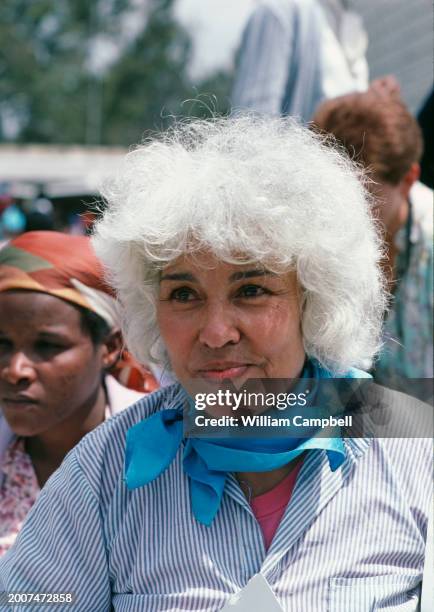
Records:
x=269, y=507
x=18, y=493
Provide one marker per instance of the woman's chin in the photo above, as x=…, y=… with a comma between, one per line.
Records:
x=22, y=425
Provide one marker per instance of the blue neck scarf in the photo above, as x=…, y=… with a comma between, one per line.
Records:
x=152, y=445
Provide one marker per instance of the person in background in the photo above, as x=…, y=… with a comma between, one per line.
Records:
x=296, y=53
x=378, y=131
x=59, y=339
x=425, y=118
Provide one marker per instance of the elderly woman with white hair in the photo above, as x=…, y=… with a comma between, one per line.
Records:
x=239, y=249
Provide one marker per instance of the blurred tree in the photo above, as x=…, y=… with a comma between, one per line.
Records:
x=149, y=81
x=74, y=71
x=43, y=66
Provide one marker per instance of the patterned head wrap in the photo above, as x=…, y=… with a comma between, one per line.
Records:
x=66, y=267
x=61, y=265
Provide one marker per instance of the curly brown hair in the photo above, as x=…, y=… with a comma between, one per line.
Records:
x=377, y=131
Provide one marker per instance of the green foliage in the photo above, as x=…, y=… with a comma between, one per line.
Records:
x=41, y=68
x=51, y=92
x=149, y=81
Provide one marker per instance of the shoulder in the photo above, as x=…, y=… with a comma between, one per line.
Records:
x=394, y=414
x=422, y=202
x=100, y=454
x=401, y=427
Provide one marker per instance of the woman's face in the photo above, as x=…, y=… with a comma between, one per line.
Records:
x=49, y=367
x=223, y=321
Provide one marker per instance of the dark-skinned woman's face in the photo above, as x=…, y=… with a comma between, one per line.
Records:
x=49, y=366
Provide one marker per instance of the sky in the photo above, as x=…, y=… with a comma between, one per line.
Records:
x=216, y=27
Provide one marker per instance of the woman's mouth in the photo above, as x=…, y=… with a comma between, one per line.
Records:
x=219, y=372
x=20, y=402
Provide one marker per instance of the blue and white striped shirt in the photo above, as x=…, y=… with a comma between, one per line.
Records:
x=350, y=541
x=291, y=60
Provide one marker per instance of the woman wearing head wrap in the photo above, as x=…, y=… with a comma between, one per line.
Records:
x=59, y=336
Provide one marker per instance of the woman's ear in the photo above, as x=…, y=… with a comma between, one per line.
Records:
x=111, y=349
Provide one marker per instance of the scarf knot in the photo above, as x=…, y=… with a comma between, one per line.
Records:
x=152, y=445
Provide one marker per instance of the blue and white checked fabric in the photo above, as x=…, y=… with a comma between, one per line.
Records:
x=350, y=541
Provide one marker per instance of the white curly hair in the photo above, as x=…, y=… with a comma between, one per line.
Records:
x=248, y=189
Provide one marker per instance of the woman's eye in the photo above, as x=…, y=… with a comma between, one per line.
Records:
x=183, y=294
x=46, y=347
x=252, y=291
x=5, y=344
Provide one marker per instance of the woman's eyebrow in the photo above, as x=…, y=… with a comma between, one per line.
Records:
x=178, y=276
x=244, y=274
x=54, y=332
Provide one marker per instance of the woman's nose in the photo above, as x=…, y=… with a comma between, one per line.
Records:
x=219, y=326
x=18, y=369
